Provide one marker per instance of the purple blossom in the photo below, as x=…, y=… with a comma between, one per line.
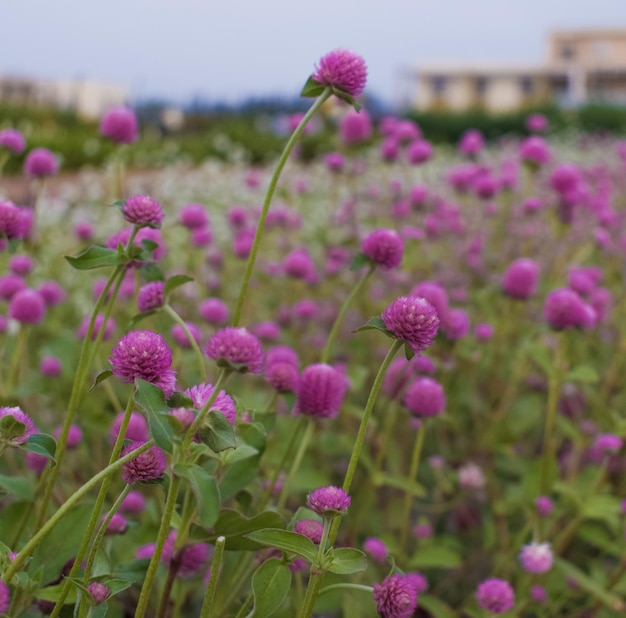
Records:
x=395, y=597
x=328, y=501
x=147, y=466
x=99, y=592
x=27, y=307
x=119, y=124
x=13, y=140
x=320, y=391
x=495, y=595
x=223, y=403
x=413, y=320
x=310, y=528
x=40, y=163
x=536, y=557
x=385, y=248
x=238, y=347
x=141, y=210
x=425, y=398
x=151, y=296
x=343, y=70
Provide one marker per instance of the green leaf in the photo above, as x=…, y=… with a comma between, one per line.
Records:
x=19, y=486
x=139, y=317
x=53, y=593
x=583, y=373
x=101, y=377
x=42, y=444
x=604, y=508
x=435, y=557
x=180, y=400
x=409, y=352
x=96, y=257
x=151, y=272
x=11, y=428
x=347, y=560
x=312, y=89
x=205, y=491
x=234, y=526
x=270, y=585
x=117, y=585
x=374, y=324
x=348, y=98
x=240, y=473
x=152, y=400
x=218, y=434
x=435, y=607
x=360, y=260
x=119, y=204
x=175, y=282
x=287, y=541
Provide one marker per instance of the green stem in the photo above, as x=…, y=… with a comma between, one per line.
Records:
x=16, y=359
x=342, y=312
x=26, y=551
x=192, y=341
x=293, y=470
x=268, y=199
x=244, y=608
x=168, y=511
x=216, y=564
x=332, y=587
x=408, y=496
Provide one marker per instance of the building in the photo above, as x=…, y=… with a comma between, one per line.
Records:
x=88, y=98
x=582, y=66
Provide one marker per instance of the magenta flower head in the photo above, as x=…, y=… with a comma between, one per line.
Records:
x=193, y=216
x=535, y=152
x=52, y=293
x=355, y=127
x=495, y=595
x=21, y=265
x=119, y=124
x=320, y=391
x=544, y=506
x=40, y=163
x=434, y=293
x=5, y=597
x=418, y=581
x=538, y=594
x=109, y=329
x=147, y=466
x=413, y=320
x=117, y=525
x=10, y=433
x=134, y=502
x=236, y=348
x=471, y=143
x=13, y=220
x=151, y=296
x=142, y=210
x=536, y=557
x=180, y=336
x=137, y=428
x=191, y=558
x=282, y=377
x=385, y=248
x=99, y=592
x=395, y=597
x=214, y=311
x=342, y=70
x=537, y=123
x=521, y=279
x=223, y=403
x=455, y=324
x=12, y=140
x=282, y=354
x=419, y=151
x=144, y=354
x=376, y=549
x=425, y=398
x=27, y=307
x=50, y=367
x=310, y=528
x=329, y=501
x=564, y=309
x=74, y=436
x=335, y=161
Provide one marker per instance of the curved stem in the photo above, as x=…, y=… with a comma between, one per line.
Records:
x=342, y=312
x=293, y=470
x=192, y=341
x=332, y=587
x=216, y=565
x=408, y=496
x=268, y=199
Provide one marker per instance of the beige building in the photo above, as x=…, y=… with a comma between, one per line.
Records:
x=87, y=98
x=581, y=67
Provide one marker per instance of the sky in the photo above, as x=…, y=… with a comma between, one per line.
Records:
x=232, y=49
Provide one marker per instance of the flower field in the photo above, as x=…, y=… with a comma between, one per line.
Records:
x=386, y=382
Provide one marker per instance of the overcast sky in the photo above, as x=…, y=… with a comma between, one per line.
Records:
x=231, y=49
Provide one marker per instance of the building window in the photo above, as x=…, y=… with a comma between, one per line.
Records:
x=526, y=85
x=439, y=84
x=480, y=85
x=567, y=52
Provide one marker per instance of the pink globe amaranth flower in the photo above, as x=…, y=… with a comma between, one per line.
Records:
x=109, y=329
x=50, y=366
x=223, y=403
x=83, y=230
x=328, y=501
x=5, y=597
x=607, y=444
x=202, y=237
x=10, y=285
x=486, y=186
x=21, y=264
x=40, y=163
x=413, y=320
x=134, y=502
x=406, y=131
x=145, y=233
x=151, y=296
x=423, y=531
x=532, y=204
x=565, y=178
x=564, y=309
x=282, y=354
x=537, y=123
x=538, y=594
x=14, y=221
x=119, y=124
x=237, y=347
x=190, y=559
x=12, y=140
x=582, y=280
x=395, y=597
x=99, y=592
x=299, y=264
x=536, y=557
x=52, y=293
x=147, y=466
x=27, y=307
x=320, y=391
x=343, y=70
x=534, y=150
x=419, y=152
x=376, y=549
x=521, y=279
x=544, y=506
x=35, y=462
x=311, y=529
x=237, y=217
x=418, y=581
x=214, y=311
x=385, y=248
x=145, y=552
x=74, y=436
x=144, y=354
x=425, y=398
x=137, y=430
x=306, y=310
x=471, y=142
x=193, y=216
x=471, y=477
x=141, y=210
x=483, y=332
x=455, y=324
x=180, y=336
x=267, y=331
x=495, y=595
x=434, y=293
x=335, y=161
x=355, y=127
x=390, y=149
x=117, y=525
x=282, y=377
x=601, y=300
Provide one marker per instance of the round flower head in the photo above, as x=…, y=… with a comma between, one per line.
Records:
x=50, y=366
x=607, y=444
x=419, y=151
x=521, y=278
x=137, y=429
x=299, y=264
x=413, y=320
x=418, y=581
x=99, y=592
x=538, y=594
x=495, y=595
x=483, y=332
x=143, y=210
x=12, y=140
x=134, y=502
x=13, y=221
x=193, y=216
x=537, y=123
x=282, y=354
x=223, y=403
x=376, y=549
x=425, y=398
x=53, y=294
x=36, y=462
x=21, y=264
x=15, y=436
x=27, y=307
x=190, y=558
x=536, y=557
x=395, y=597
x=214, y=311
x=335, y=161
x=471, y=143
x=74, y=436
x=471, y=477
x=564, y=309
x=151, y=296
x=236, y=347
x=147, y=466
x=311, y=529
x=180, y=336
x=434, y=293
x=283, y=377
x=544, y=506
x=108, y=329
x=565, y=178
x=144, y=354
x=10, y=285
x=5, y=597
x=201, y=237
x=385, y=248
x=328, y=501
x=320, y=391
x=355, y=127
x=343, y=70
x=117, y=524
x=40, y=163
x=120, y=125
x=83, y=230
x=455, y=324
x=145, y=552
